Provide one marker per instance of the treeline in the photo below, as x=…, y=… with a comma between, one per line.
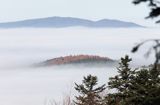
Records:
x=129, y=87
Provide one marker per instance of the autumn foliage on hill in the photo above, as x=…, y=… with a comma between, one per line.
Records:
x=77, y=59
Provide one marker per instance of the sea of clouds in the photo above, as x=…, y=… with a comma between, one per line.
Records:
x=20, y=49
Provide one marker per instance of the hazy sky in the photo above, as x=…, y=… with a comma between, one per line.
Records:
x=12, y=10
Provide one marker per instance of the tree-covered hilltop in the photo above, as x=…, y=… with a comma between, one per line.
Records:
x=75, y=60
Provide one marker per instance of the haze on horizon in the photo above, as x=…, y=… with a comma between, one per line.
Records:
x=87, y=9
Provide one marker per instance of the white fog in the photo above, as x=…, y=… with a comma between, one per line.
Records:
x=21, y=84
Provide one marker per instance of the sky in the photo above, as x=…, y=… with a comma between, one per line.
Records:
x=13, y=10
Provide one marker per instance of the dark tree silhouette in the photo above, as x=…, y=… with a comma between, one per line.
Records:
x=121, y=83
x=134, y=87
x=155, y=12
x=154, y=6
x=155, y=48
x=89, y=92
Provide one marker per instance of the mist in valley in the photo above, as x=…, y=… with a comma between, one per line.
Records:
x=20, y=49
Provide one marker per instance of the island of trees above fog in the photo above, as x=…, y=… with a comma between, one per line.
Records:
x=81, y=60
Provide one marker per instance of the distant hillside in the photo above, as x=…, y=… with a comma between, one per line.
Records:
x=81, y=60
x=60, y=22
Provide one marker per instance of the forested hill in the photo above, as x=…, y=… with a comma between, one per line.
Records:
x=85, y=60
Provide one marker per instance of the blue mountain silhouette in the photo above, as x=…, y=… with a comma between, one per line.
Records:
x=60, y=22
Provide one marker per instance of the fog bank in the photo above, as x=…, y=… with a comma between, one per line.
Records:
x=21, y=48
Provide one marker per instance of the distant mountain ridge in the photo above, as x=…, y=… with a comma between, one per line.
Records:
x=61, y=22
